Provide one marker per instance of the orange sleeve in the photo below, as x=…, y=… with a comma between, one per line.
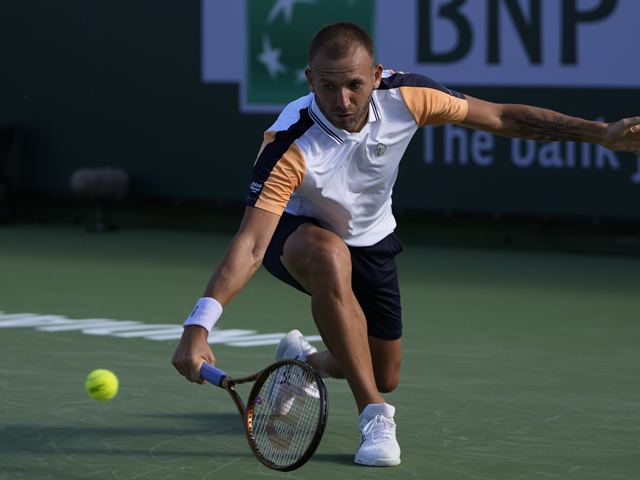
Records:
x=433, y=107
x=275, y=177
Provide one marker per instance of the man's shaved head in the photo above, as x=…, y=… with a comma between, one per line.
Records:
x=338, y=40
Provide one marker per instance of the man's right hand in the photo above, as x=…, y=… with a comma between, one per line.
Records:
x=192, y=352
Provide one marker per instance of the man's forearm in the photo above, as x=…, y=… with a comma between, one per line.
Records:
x=232, y=274
x=531, y=123
x=543, y=125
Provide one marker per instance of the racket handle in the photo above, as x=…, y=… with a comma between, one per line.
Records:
x=212, y=374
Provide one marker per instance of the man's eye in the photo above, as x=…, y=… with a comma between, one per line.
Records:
x=328, y=87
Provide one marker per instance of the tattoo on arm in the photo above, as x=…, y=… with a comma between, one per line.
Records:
x=554, y=129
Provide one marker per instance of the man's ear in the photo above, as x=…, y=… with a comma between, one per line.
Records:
x=377, y=75
x=309, y=75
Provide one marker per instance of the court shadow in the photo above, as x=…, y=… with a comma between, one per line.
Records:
x=100, y=440
x=337, y=458
x=72, y=439
x=38, y=472
x=208, y=421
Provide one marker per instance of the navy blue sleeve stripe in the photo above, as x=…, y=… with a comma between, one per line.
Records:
x=374, y=107
x=398, y=80
x=273, y=152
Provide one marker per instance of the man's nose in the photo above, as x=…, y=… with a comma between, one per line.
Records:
x=343, y=98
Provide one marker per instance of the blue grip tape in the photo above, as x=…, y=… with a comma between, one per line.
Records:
x=212, y=374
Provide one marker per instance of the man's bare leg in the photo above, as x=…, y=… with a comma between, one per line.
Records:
x=320, y=261
x=386, y=356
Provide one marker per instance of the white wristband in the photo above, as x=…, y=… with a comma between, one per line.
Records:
x=206, y=313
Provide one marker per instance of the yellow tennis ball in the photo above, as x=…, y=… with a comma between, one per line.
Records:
x=102, y=385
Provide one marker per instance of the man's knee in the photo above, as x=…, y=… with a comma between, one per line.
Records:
x=312, y=251
x=328, y=250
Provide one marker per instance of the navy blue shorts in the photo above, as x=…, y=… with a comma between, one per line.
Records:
x=374, y=276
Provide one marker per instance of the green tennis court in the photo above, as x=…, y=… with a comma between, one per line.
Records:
x=517, y=364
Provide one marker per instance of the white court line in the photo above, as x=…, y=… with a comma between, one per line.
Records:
x=89, y=323
x=234, y=337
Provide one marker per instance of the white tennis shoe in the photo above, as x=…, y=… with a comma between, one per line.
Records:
x=294, y=347
x=378, y=447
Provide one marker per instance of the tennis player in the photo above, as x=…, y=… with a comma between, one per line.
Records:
x=319, y=217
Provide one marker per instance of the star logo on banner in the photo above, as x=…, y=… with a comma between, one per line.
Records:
x=270, y=57
x=285, y=6
x=278, y=33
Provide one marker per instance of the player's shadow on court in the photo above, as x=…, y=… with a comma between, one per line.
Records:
x=96, y=440
x=212, y=423
x=336, y=458
x=230, y=424
x=88, y=440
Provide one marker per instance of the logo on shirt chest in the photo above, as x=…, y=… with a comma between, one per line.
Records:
x=380, y=149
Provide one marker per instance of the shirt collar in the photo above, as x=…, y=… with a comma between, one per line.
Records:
x=337, y=134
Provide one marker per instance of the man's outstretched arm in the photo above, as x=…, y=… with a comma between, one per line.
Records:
x=243, y=258
x=540, y=124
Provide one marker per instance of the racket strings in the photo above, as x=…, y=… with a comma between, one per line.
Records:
x=286, y=414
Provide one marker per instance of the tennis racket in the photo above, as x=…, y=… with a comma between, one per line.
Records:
x=286, y=412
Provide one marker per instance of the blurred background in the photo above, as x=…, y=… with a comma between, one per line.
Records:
x=174, y=96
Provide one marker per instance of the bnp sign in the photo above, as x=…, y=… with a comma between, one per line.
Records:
x=262, y=44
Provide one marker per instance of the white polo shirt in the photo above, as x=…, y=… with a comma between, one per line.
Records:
x=306, y=166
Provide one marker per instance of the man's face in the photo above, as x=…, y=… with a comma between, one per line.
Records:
x=343, y=88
